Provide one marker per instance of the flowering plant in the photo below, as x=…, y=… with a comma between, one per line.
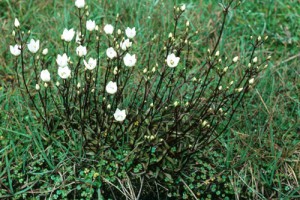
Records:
x=157, y=106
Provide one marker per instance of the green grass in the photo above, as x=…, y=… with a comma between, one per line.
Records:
x=260, y=151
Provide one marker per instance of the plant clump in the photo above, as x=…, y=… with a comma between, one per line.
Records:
x=138, y=111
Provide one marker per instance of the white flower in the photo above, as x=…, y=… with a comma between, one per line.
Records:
x=64, y=72
x=129, y=60
x=81, y=51
x=33, y=46
x=68, y=35
x=17, y=23
x=90, y=25
x=62, y=61
x=172, y=60
x=91, y=64
x=130, y=32
x=45, y=52
x=111, y=87
x=125, y=44
x=217, y=53
x=108, y=29
x=45, y=75
x=111, y=53
x=15, y=50
x=235, y=59
x=120, y=115
x=79, y=3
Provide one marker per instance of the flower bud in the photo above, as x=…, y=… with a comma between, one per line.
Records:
x=187, y=23
x=183, y=7
x=239, y=89
x=45, y=52
x=217, y=53
x=225, y=69
x=45, y=85
x=37, y=87
x=251, y=81
x=204, y=123
x=176, y=103
x=17, y=23
x=115, y=70
x=235, y=59
x=259, y=38
x=254, y=60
